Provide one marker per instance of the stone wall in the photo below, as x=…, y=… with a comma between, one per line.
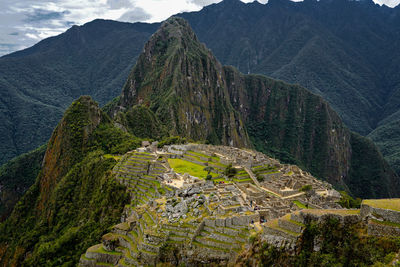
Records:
x=236, y=221
x=387, y=215
x=290, y=226
x=382, y=230
x=343, y=218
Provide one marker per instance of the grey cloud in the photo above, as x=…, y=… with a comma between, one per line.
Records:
x=117, y=4
x=6, y=48
x=204, y=2
x=39, y=15
x=14, y=33
x=137, y=14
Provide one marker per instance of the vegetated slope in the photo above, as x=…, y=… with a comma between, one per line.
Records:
x=356, y=248
x=314, y=43
x=297, y=42
x=16, y=176
x=387, y=138
x=345, y=51
x=93, y=59
x=180, y=80
x=75, y=197
x=201, y=100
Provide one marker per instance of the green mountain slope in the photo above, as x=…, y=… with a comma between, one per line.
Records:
x=297, y=42
x=182, y=83
x=201, y=100
x=387, y=138
x=93, y=59
x=16, y=176
x=75, y=197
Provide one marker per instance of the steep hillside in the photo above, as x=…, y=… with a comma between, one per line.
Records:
x=75, y=197
x=182, y=83
x=93, y=59
x=297, y=42
x=304, y=43
x=201, y=100
x=16, y=176
x=387, y=138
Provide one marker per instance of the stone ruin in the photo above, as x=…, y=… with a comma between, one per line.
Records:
x=209, y=221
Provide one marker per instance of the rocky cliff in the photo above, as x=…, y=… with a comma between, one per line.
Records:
x=180, y=80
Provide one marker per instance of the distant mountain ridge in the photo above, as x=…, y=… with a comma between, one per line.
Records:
x=313, y=43
x=37, y=84
x=76, y=197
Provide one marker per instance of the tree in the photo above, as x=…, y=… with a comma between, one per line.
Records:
x=208, y=169
x=230, y=171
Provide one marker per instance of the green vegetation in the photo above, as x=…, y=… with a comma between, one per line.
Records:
x=356, y=249
x=41, y=82
x=306, y=188
x=299, y=204
x=346, y=201
x=112, y=140
x=84, y=204
x=387, y=223
x=230, y=171
x=82, y=198
x=369, y=174
x=76, y=198
x=183, y=166
x=142, y=122
x=387, y=138
x=16, y=176
x=389, y=204
x=172, y=140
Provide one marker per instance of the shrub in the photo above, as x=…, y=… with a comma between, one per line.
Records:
x=306, y=188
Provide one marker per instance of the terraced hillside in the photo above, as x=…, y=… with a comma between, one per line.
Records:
x=193, y=204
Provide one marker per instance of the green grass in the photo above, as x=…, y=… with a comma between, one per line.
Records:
x=198, y=154
x=183, y=166
x=196, y=243
x=104, y=264
x=274, y=224
x=299, y=204
x=100, y=249
x=338, y=212
x=389, y=204
x=222, y=180
x=387, y=223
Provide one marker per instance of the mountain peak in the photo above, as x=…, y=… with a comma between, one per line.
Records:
x=180, y=80
x=174, y=29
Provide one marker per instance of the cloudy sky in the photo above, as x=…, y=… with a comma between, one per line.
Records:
x=25, y=22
